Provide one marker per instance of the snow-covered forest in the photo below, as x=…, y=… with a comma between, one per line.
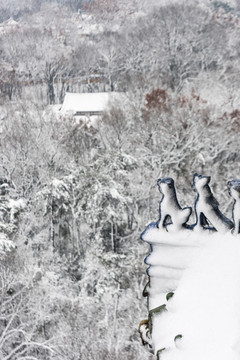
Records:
x=75, y=198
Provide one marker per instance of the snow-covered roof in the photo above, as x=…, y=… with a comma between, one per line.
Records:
x=90, y=102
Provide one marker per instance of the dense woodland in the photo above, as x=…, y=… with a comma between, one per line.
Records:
x=74, y=199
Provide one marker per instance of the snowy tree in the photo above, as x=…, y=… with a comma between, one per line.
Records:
x=18, y=333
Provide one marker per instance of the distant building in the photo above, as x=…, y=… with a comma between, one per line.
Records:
x=90, y=104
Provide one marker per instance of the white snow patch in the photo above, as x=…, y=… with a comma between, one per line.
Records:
x=115, y=194
x=8, y=26
x=6, y=245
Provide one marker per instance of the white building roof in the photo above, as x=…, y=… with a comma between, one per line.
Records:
x=90, y=102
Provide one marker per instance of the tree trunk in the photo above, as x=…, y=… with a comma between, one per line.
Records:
x=50, y=91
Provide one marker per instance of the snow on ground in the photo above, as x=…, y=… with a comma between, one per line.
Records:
x=205, y=308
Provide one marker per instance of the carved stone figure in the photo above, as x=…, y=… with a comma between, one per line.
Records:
x=206, y=207
x=234, y=191
x=170, y=212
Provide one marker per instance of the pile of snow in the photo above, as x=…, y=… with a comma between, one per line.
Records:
x=205, y=308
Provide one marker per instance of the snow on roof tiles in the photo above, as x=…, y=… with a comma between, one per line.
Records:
x=89, y=102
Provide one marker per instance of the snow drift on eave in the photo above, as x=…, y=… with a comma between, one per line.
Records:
x=205, y=307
